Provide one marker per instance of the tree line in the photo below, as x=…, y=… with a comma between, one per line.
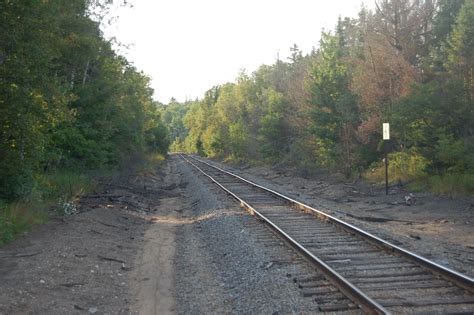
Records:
x=406, y=62
x=67, y=99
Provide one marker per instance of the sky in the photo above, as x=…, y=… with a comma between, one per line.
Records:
x=186, y=47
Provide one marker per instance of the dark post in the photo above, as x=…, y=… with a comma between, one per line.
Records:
x=386, y=138
x=385, y=148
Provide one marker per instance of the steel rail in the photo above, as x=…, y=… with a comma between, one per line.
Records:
x=448, y=274
x=366, y=303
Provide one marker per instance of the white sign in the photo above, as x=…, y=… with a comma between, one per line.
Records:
x=386, y=131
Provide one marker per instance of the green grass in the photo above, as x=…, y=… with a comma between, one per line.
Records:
x=18, y=217
x=409, y=168
x=452, y=184
x=64, y=184
x=403, y=167
x=54, y=193
x=150, y=163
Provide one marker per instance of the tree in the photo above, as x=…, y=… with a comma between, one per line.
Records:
x=461, y=49
x=66, y=98
x=405, y=25
x=335, y=111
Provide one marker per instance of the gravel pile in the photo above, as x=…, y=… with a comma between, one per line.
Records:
x=221, y=268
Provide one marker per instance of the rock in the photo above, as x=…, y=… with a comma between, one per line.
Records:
x=443, y=262
x=93, y=310
x=410, y=199
x=268, y=265
x=42, y=281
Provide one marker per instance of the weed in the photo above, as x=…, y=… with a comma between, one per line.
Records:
x=452, y=184
x=61, y=184
x=16, y=218
x=402, y=167
x=151, y=163
x=57, y=191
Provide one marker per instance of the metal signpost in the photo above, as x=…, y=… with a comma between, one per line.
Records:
x=386, y=138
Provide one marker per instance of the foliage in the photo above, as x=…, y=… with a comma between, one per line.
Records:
x=407, y=62
x=334, y=105
x=403, y=167
x=67, y=100
x=151, y=162
x=57, y=191
x=64, y=184
x=17, y=218
x=452, y=184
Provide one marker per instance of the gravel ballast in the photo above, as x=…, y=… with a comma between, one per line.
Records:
x=221, y=267
x=436, y=227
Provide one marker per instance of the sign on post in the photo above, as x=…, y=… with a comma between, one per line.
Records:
x=386, y=131
x=386, y=137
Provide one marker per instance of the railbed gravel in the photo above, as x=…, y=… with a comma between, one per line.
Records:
x=222, y=269
x=437, y=251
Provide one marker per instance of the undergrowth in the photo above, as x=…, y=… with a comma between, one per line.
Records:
x=410, y=168
x=151, y=163
x=57, y=193
x=403, y=167
x=452, y=184
x=53, y=193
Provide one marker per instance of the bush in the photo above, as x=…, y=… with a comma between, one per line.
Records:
x=402, y=167
x=56, y=191
x=17, y=218
x=152, y=162
x=15, y=180
x=453, y=154
x=58, y=185
x=452, y=184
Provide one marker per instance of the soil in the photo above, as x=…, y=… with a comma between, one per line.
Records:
x=168, y=241
x=90, y=262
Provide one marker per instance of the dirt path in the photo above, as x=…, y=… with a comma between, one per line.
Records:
x=153, y=278
x=75, y=266
x=97, y=261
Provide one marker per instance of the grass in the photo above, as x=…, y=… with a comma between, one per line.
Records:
x=53, y=194
x=18, y=217
x=408, y=168
x=66, y=184
x=57, y=193
x=151, y=163
x=403, y=167
x=452, y=184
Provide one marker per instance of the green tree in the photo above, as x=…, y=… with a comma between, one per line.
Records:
x=66, y=98
x=461, y=49
x=334, y=110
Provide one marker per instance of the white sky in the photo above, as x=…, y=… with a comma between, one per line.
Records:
x=188, y=46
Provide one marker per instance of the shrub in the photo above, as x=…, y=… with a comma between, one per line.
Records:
x=56, y=191
x=452, y=184
x=402, y=167
x=17, y=218
x=63, y=185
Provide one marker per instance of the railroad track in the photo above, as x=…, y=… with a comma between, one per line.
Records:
x=376, y=276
